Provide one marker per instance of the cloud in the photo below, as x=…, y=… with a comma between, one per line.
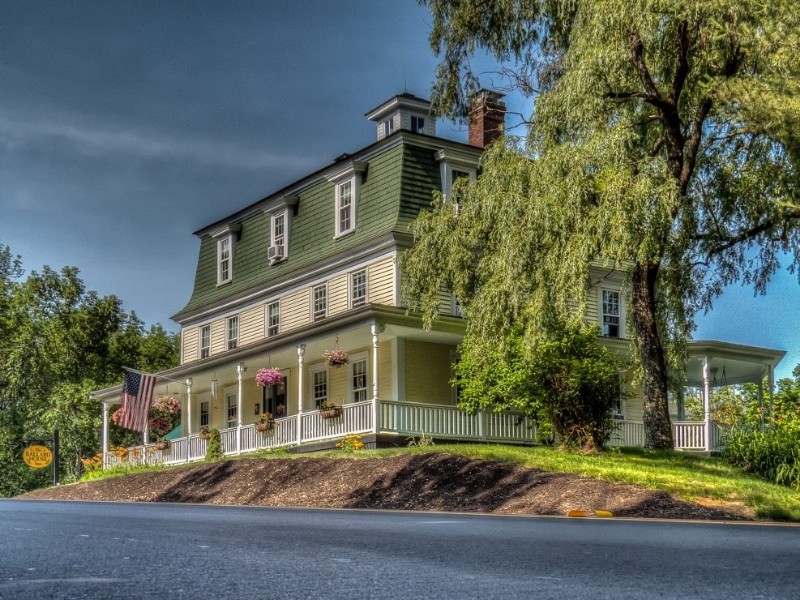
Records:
x=96, y=139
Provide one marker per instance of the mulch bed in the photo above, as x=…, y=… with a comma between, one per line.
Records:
x=435, y=482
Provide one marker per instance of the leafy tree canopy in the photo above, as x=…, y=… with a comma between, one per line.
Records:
x=663, y=144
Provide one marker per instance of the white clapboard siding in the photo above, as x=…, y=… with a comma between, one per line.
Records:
x=189, y=342
x=251, y=325
x=380, y=279
x=337, y=294
x=295, y=310
x=218, y=336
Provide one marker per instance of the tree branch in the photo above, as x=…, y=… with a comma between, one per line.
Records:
x=728, y=242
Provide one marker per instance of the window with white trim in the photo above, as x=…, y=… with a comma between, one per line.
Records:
x=205, y=341
x=232, y=332
x=358, y=379
x=205, y=406
x=319, y=302
x=232, y=409
x=319, y=386
x=273, y=318
x=225, y=260
x=358, y=288
x=417, y=124
x=278, y=250
x=388, y=127
x=610, y=322
x=345, y=213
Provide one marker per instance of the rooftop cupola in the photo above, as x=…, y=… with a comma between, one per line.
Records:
x=404, y=111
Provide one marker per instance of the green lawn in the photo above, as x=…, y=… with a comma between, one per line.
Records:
x=685, y=476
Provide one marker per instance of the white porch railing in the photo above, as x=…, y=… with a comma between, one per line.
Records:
x=402, y=418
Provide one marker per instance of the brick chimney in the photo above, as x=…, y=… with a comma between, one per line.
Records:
x=487, y=114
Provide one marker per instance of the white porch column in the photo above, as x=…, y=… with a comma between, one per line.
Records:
x=240, y=369
x=105, y=433
x=301, y=353
x=706, y=405
x=771, y=383
x=188, y=431
x=761, y=400
x=375, y=330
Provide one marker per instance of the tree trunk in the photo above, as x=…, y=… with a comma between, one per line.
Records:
x=657, y=426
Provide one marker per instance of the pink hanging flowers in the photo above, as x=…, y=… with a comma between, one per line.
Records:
x=266, y=377
x=335, y=357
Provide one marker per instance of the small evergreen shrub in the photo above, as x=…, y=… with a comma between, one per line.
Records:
x=214, y=449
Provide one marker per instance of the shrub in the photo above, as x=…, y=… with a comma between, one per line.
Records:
x=772, y=453
x=214, y=449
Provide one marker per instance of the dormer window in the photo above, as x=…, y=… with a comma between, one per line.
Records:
x=277, y=251
x=347, y=186
x=388, y=126
x=417, y=124
x=280, y=211
x=454, y=165
x=225, y=260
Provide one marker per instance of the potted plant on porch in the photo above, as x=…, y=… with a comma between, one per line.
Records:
x=329, y=410
x=265, y=422
x=205, y=432
x=162, y=444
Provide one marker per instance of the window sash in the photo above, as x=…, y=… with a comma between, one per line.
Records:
x=232, y=410
x=358, y=288
x=273, y=319
x=344, y=206
x=610, y=313
x=359, y=380
x=233, y=332
x=204, y=413
x=205, y=341
x=279, y=230
x=320, y=387
x=224, y=249
x=320, y=299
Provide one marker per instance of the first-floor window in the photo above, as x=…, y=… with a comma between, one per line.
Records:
x=359, y=380
x=358, y=288
x=320, y=387
x=232, y=409
x=233, y=332
x=610, y=313
x=204, y=413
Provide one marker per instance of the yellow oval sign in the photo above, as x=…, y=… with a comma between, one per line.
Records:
x=37, y=457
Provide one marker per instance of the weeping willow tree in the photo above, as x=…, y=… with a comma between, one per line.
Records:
x=663, y=144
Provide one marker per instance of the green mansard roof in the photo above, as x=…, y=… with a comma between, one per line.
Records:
x=402, y=171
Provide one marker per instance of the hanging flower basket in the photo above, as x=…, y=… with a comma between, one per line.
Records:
x=328, y=410
x=335, y=357
x=265, y=425
x=266, y=377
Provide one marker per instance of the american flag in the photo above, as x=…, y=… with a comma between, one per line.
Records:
x=137, y=391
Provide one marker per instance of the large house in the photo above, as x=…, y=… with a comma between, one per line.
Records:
x=314, y=267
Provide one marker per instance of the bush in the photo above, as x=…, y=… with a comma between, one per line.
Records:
x=771, y=453
x=214, y=449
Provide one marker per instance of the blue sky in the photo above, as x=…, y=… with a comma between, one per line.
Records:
x=126, y=126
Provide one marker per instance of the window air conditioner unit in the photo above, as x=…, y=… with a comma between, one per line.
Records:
x=275, y=252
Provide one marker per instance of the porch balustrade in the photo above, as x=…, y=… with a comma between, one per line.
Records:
x=402, y=418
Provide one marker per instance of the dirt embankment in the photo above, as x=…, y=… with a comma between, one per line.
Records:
x=439, y=482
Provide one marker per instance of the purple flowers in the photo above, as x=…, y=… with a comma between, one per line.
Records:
x=266, y=377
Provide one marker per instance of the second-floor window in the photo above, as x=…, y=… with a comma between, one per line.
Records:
x=610, y=318
x=358, y=288
x=273, y=318
x=345, y=207
x=224, y=260
x=278, y=249
x=319, y=299
x=205, y=341
x=233, y=332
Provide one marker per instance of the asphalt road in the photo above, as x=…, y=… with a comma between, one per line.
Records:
x=110, y=551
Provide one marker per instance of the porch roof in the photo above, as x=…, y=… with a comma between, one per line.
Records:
x=729, y=363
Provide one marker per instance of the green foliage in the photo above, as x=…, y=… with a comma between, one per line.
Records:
x=58, y=342
x=214, y=448
x=568, y=382
x=423, y=441
x=663, y=141
x=773, y=453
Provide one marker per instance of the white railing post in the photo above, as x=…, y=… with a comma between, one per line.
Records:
x=301, y=353
x=188, y=432
x=706, y=405
x=240, y=369
x=375, y=330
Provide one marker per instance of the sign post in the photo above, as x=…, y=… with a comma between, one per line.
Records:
x=38, y=456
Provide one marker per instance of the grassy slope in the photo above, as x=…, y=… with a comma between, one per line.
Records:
x=709, y=480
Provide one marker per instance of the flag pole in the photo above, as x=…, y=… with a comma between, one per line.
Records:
x=183, y=383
